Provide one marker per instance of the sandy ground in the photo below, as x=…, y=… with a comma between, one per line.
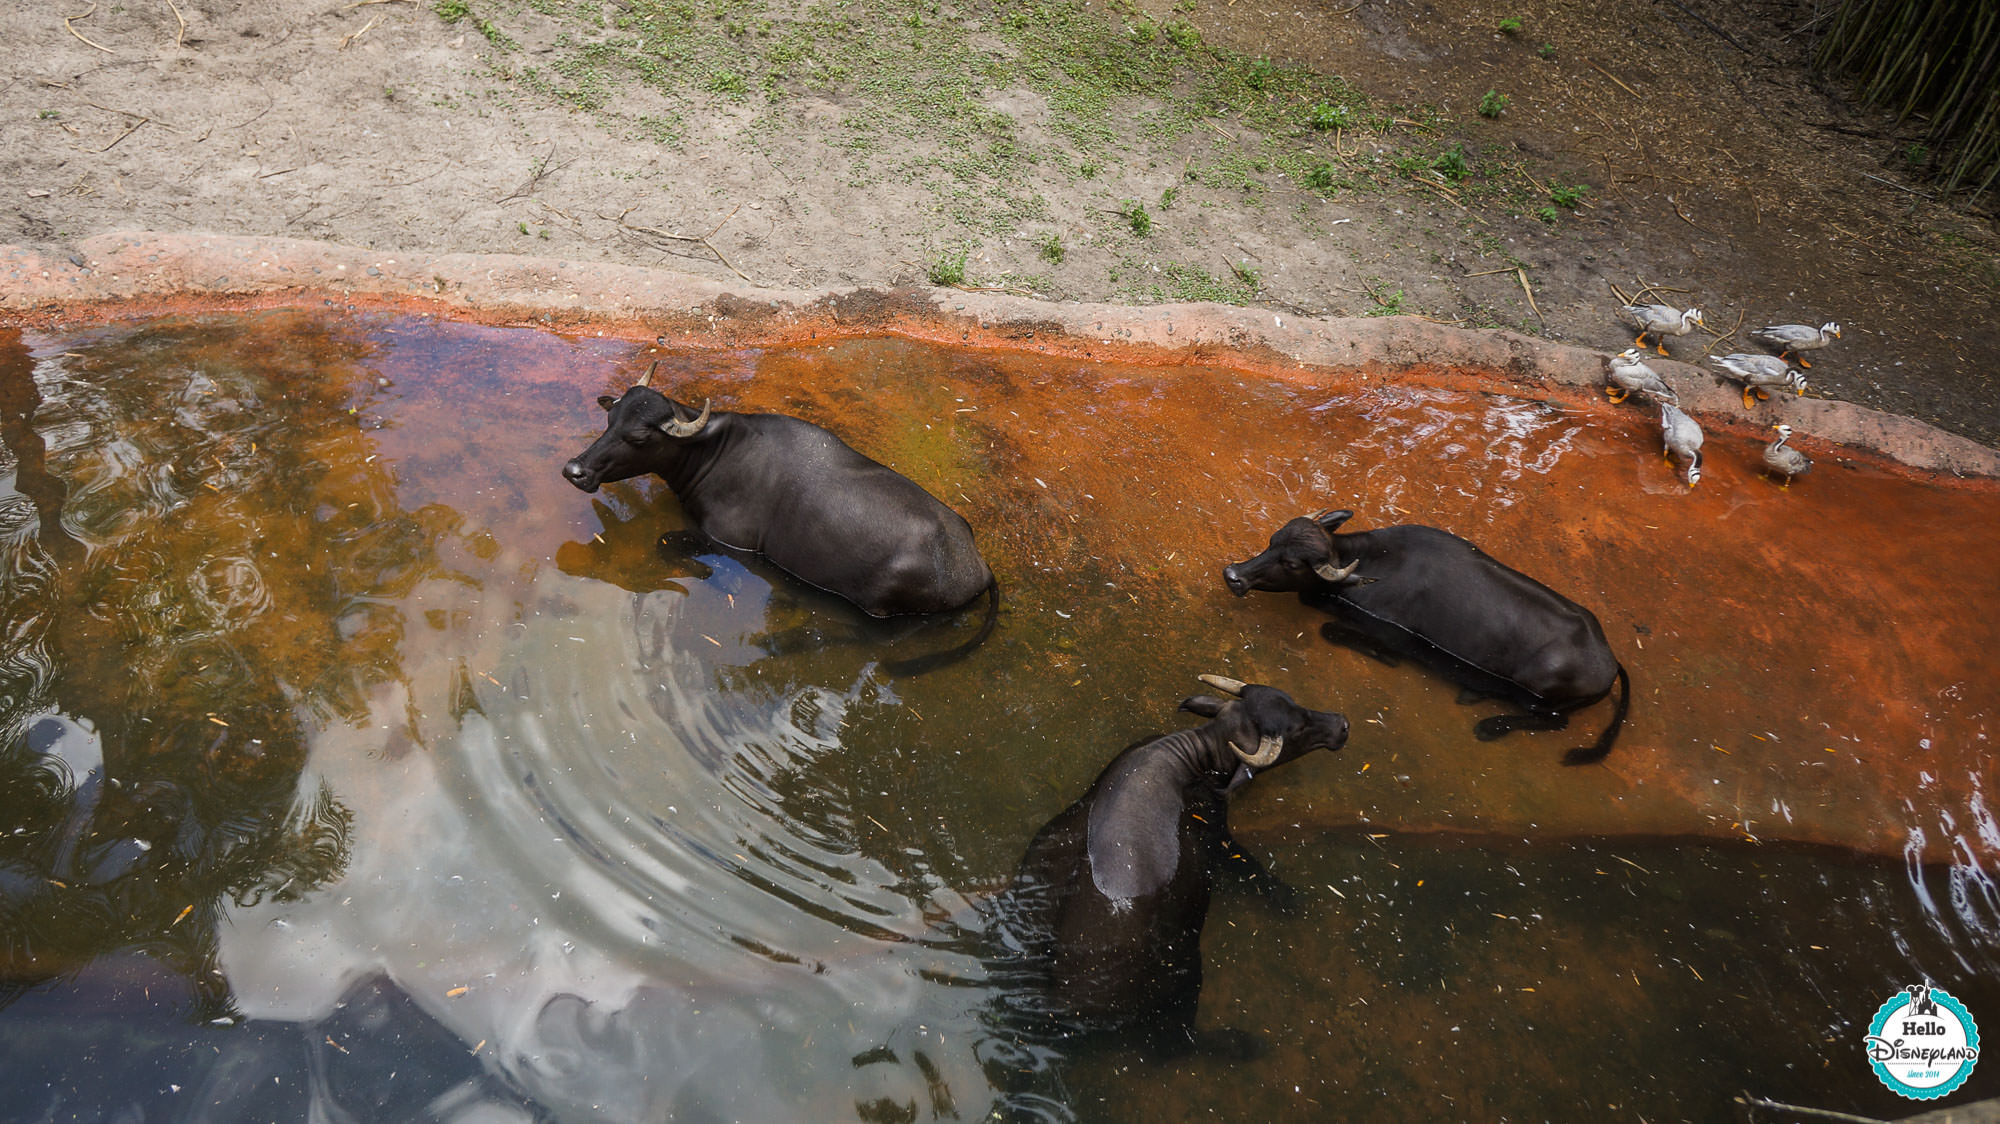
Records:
x=1717, y=171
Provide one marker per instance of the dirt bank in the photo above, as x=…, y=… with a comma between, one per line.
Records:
x=1324, y=160
x=147, y=274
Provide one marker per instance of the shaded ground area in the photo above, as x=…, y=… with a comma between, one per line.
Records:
x=1322, y=158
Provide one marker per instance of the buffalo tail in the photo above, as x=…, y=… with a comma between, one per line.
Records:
x=1585, y=754
x=935, y=660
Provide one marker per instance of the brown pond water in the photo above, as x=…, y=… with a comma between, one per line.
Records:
x=395, y=715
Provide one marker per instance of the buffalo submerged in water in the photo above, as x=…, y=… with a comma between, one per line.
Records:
x=799, y=495
x=1430, y=596
x=1108, y=903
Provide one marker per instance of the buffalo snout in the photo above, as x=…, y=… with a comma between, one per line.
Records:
x=1234, y=579
x=575, y=472
x=1330, y=733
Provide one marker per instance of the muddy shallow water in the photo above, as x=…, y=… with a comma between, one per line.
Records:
x=344, y=737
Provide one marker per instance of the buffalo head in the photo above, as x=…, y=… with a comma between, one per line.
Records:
x=1301, y=557
x=1263, y=726
x=642, y=433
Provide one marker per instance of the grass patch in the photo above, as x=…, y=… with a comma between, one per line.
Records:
x=459, y=11
x=1182, y=282
x=1451, y=164
x=1037, y=283
x=948, y=268
x=1388, y=302
x=729, y=83
x=1233, y=172
x=905, y=69
x=1136, y=217
x=923, y=94
x=1327, y=116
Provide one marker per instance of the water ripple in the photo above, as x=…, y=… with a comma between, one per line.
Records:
x=668, y=810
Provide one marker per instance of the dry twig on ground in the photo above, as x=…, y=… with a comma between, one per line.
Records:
x=539, y=170
x=1614, y=78
x=651, y=232
x=1710, y=349
x=1523, y=275
x=70, y=23
x=347, y=42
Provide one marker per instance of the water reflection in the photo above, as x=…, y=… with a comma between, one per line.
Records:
x=181, y=574
x=304, y=630
x=117, y=1048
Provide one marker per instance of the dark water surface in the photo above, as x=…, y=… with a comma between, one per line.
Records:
x=357, y=767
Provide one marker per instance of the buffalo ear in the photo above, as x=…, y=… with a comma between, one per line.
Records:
x=606, y=401
x=1330, y=521
x=1208, y=706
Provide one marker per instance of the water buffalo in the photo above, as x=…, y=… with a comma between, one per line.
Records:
x=800, y=496
x=1110, y=898
x=1430, y=596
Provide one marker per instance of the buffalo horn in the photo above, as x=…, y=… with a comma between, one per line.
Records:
x=1225, y=685
x=1268, y=748
x=1327, y=571
x=675, y=427
x=648, y=376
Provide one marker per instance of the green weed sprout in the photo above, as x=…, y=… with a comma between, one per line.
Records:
x=949, y=268
x=1325, y=117
x=1452, y=163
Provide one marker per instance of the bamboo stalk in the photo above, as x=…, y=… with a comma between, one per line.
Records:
x=1932, y=59
x=1975, y=77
